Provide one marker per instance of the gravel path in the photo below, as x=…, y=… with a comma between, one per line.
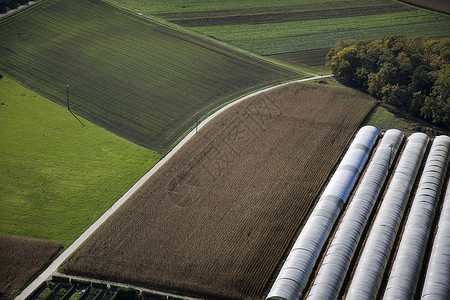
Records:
x=72, y=248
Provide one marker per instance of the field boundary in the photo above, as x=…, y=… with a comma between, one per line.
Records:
x=139, y=62
x=19, y=8
x=53, y=267
x=109, y=283
x=434, y=6
x=205, y=37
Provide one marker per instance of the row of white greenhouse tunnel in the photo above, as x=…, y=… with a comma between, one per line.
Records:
x=363, y=253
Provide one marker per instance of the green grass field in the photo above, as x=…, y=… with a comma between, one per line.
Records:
x=138, y=79
x=384, y=119
x=297, y=32
x=57, y=176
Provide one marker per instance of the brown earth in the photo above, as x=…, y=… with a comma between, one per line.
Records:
x=438, y=5
x=218, y=217
x=20, y=260
x=289, y=16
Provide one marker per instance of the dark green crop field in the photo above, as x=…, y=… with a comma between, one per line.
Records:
x=298, y=32
x=140, y=80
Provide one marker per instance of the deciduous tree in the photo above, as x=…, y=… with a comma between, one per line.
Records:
x=412, y=74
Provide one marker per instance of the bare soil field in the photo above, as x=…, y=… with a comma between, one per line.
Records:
x=218, y=217
x=20, y=259
x=438, y=5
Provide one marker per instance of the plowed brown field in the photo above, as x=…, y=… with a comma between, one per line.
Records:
x=20, y=260
x=217, y=218
x=438, y=5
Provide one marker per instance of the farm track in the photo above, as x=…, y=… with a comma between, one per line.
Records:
x=121, y=68
x=98, y=57
x=70, y=250
x=242, y=225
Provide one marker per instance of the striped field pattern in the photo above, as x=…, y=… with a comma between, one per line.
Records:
x=138, y=79
x=292, y=30
x=217, y=218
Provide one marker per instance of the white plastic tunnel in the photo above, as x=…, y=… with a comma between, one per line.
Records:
x=404, y=276
x=437, y=278
x=294, y=275
x=335, y=265
x=370, y=269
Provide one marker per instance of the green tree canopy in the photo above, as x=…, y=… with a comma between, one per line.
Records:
x=412, y=74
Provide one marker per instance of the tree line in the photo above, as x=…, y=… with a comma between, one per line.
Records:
x=412, y=74
x=6, y=5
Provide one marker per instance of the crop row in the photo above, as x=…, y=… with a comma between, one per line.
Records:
x=21, y=259
x=294, y=275
x=355, y=262
x=303, y=35
x=279, y=27
x=143, y=81
x=193, y=9
x=336, y=263
x=227, y=200
x=438, y=5
x=291, y=16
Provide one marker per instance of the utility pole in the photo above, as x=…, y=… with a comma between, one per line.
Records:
x=67, y=90
x=196, y=122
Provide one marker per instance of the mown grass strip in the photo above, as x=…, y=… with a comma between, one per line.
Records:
x=138, y=79
x=56, y=175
